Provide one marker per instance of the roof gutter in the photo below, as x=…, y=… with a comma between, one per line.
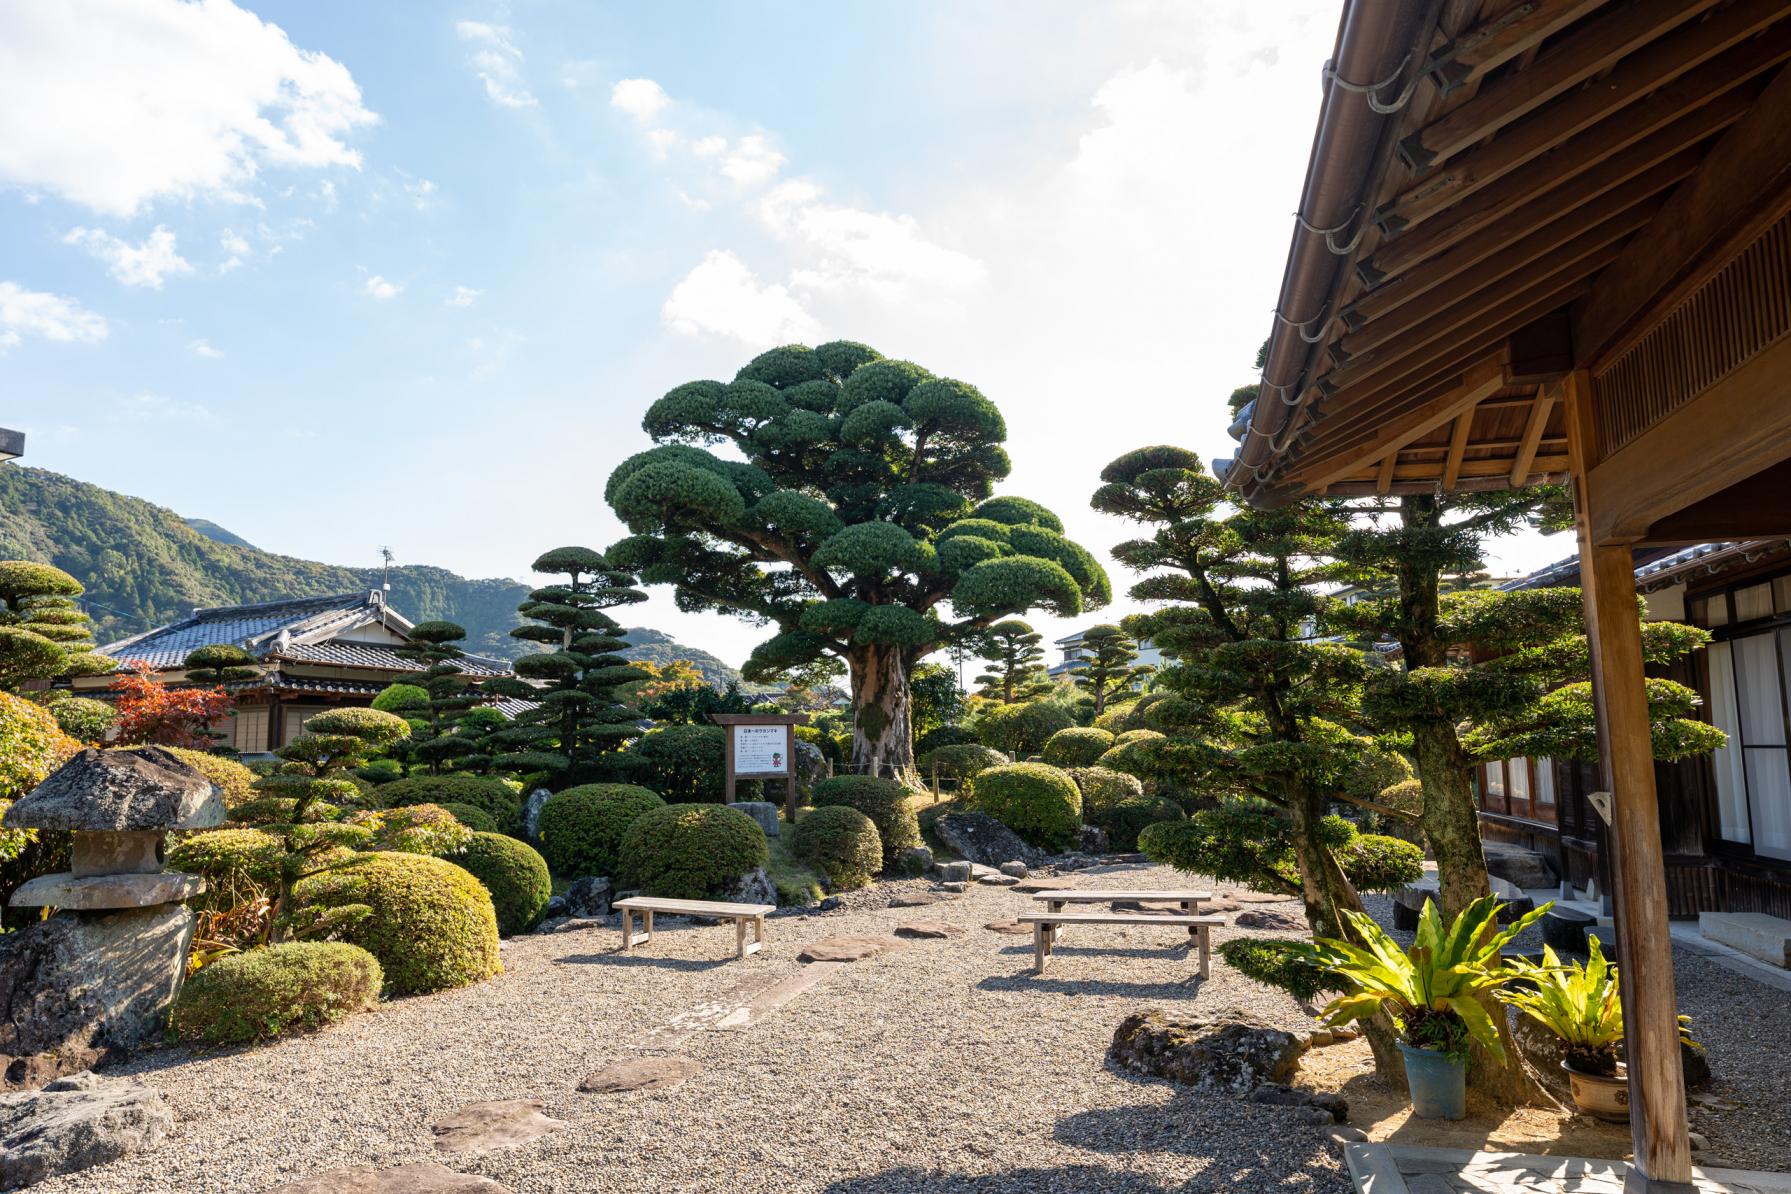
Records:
x=1377, y=43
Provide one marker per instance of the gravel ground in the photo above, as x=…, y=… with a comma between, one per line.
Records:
x=941, y=1067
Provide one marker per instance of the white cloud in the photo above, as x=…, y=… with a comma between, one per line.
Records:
x=642, y=99
x=421, y=191
x=203, y=348
x=46, y=316
x=134, y=265
x=161, y=98
x=497, y=62
x=236, y=249
x=462, y=296
x=752, y=162
x=148, y=407
x=722, y=297
x=379, y=288
x=838, y=245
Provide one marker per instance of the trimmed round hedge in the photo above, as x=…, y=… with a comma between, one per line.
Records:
x=278, y=810
x=229, y=776
x=514, y=874
x=1078, y=746
x=691, y=851
x=1035, y=800
x=432, y=925
x=1125, y=819
x=841, y=843
x=960, y=761
x=686, y=764
x=295, y=987
x=492, y=796
x=228, y=860
x=884, y=801
x=582, y=828
x=1102, y=787
x=475, y=819
x=31, y=746
x=1023, y=729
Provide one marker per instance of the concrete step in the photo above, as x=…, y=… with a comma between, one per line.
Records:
x=1755, y=934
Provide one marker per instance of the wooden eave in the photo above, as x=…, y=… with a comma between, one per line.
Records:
x=1514, y=204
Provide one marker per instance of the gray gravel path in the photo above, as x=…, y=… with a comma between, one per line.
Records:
x=944, y=1066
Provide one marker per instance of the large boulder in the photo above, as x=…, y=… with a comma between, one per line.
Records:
x=531, y=814
x=982, y=839
x=74, y=1123
x=588, y=898
x=1231, y=1056
x=754, y=887
x=79, y=985
x=762, y=811
x=121, y=791
x=811, y=766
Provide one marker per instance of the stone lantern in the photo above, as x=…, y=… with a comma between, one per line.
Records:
x=114, y=955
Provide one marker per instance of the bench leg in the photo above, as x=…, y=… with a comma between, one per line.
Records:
x=1039, y=952
x=627, y=928
x=740, y=937
x=1206, y=951
x=1054, y=906
x=758, y=930
x=1190, y=908
x=648, y=932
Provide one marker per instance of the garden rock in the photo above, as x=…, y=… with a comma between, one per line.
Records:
x=641, y=1073
x=754, y=887
x=762, y=811
x=811, y=765
x=1217, y=1055
x=915, y=860
x=1092, y=839
x=74, y=1123
x=980, y=838
x=998, y=880
x=1268, y=918
x=929, y=929
x=423, y=1178
x=1040, y=883
x=481, y=1127
x=120, y=791
x=531, y=814
x=1015, y=868
x=1012, y=928
x=1564, y=929
x=954, y=888
x=1331, y=1108
x=1521, y=867
x=849, y=948
x=556, y=910
x=588, y=898
x=1075, y=862
x=921, y=899
x=830, y=904
x=952, y=872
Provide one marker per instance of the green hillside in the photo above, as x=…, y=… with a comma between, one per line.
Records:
x=659, y=648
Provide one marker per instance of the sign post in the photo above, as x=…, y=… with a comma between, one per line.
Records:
x=762, y=746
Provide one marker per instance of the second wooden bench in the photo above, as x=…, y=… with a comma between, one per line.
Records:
x=1045, y=926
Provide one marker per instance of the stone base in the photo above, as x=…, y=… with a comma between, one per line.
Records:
x=76, y=1123
x=1755, y=934
x=98, y=893
x=81, y=982
x=762, y=811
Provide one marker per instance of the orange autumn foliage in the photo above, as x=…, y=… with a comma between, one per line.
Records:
x=150, y=712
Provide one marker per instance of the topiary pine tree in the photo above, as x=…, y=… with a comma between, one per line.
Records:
x=435, y=737
x=861, y=512
x=1015, y=657
x=1109, y=669
x=43, y=634
x=579, y=722
x=214, y=666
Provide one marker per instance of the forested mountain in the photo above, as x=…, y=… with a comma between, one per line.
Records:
x=659, y=648
x=212, y=530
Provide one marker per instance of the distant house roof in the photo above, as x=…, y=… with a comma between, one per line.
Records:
x=1657, y=569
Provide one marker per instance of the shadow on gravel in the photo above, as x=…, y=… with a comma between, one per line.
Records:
x=631, y=959
x=1247, y=1146
x=1184, y=988
x=1065, y=1179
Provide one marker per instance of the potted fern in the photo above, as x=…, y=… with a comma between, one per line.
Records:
x=1582, y=1006
x=1435, y=993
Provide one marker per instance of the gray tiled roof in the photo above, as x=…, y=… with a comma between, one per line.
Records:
x=379, y=655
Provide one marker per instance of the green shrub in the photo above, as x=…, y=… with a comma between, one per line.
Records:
x=841, y=843
x=475, y=819
x=1035, y=800
x=1406, y=796
x=31, y=746
x=278, y=810
x=430, y=923
x=1023, y=729
x=686, y=764
x=1281, y=964
x=515, y=876
x=1078, y=746
x=413, y=829
x=960, y=761
x=84, y=718
x=1103, y=787
x=231, y=861
x=380, y=771
x=1375, y=862
x=230, y=777
x=691, y=851
x=491, y=795
x=1123, y=820
x=402, y=699
x=582, y=828
x=1251, y=842
x=296, y=987
x=942, y=736
x=884, y=801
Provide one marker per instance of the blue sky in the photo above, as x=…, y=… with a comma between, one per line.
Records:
x=339, y=275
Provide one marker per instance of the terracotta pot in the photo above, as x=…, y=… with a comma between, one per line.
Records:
x=1601, y=1097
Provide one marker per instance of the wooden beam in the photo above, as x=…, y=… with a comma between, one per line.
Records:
x=1430, y=470
x=1580, y=56
x=1481, y=380
x=1509, y=35
x=1384, y=482
x=1458, y=445
x=1756, y=507
x=1649, y=91
x=1742, y=188
x=1526, y=451
x=1737, y=427
x=1657, y=1117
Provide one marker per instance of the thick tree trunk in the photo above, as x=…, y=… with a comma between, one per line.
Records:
x=1449, y=819
x=882, y=714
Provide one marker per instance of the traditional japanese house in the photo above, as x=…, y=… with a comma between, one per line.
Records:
x=1551, y=241
x=313, y=654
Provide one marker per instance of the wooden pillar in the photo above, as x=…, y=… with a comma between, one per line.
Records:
x=1650, y=1006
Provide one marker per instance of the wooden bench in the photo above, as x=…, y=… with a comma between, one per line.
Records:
x=740, y=914
x=1054, y=901
x=1045, y=926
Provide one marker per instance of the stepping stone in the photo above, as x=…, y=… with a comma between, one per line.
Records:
x=1011, y=927
x=776, y=995
x=922, y=899
x=1044, y=883
x=930, y=928
x=641, y=1073
x=481, y=1127
x=999, y=880
x=423, y=1178
x=77, y=1122
x=850, y=948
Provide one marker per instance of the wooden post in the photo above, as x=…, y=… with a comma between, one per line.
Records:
x=1657, y=1118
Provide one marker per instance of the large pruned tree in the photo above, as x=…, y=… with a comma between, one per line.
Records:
x=1108, y=667
x=860, y=522
x=1013, y=655
x=435, y=737
x=43, y=633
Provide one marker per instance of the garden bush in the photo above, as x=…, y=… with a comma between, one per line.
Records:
x=230, y=777
x=1406, y=796
x=582, y=828
x=380, y=771
x=1251, y=842
x=1023, y=729
x=884, y=801
x=841, y=843
x=514, y=874
x=231, y=861
x=278, y=810
x=1124, y=819
x=83, y=718
x=475, y=819
x=1035, y=800
x=31, y=746
x=1376, y=862
x=942, y=736
x=686, y=764
x=1285, y=965
x=1103, y=787
x=691, y=851
x=295, y=987
x=403, y=699
x=960, y=761
x=1078, y=746
x=429, y=922
x=491, y=795
x=413, y=829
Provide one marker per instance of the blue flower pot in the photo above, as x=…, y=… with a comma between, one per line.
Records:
x=1438, y=1084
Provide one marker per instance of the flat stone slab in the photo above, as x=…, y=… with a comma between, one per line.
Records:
x=481, y=1127
x=99, y=893
x=1755, y=934
x=776, y=995
x=641, y=1073
x=849, y=948
x=922, y=899
x=425, y=1177
x=929, y=929
x=75, y=1123
x=1011, y=927
x=1042, y=883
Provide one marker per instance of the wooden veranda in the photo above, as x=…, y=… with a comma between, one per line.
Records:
x=1550, y=241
